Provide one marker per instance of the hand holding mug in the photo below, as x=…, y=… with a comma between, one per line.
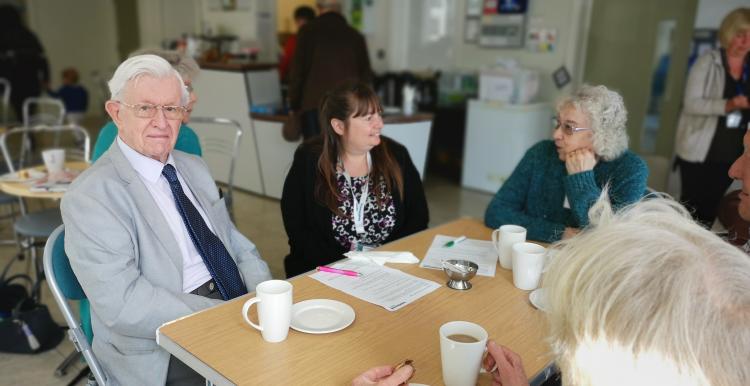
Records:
x=580, y=160
x=505, y=366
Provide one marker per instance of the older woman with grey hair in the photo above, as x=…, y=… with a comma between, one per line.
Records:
x=554, y=185
x=187, y=140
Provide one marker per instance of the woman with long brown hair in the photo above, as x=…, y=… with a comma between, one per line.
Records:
x=350, y=188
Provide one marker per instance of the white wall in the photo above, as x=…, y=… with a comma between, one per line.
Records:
x=412, y=36
x=80, y=34
x=711, y=12
x=167, y=19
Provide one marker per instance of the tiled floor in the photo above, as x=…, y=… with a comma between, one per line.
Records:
x=258, y=218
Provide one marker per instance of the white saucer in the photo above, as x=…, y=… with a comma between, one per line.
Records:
x=538, y=299
x=321, y=316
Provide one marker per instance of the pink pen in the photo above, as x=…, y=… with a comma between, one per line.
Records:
x=339, y=271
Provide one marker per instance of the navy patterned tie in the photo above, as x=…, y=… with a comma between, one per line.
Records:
x=212, y=250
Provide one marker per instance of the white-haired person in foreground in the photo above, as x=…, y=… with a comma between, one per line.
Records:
x=554, y=185
x=148, y=236
x=645, y=296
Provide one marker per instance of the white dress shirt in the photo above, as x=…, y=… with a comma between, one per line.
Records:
x=194, y=271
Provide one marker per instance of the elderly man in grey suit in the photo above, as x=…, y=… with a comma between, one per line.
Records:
x=148, y=236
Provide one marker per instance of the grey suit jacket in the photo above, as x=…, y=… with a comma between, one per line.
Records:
x=130, y=266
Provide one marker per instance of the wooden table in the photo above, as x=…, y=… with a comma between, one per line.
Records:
x=220, y=346
x=23, y=189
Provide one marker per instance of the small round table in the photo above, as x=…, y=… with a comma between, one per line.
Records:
x=23, y=188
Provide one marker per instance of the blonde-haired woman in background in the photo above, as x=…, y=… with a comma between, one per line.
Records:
x=714, y=117
x=552, y=188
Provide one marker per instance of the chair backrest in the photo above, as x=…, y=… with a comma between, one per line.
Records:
x=64, y=286
x=220, y=141
x=43, y=111
x=81, y=149
x=5, y=99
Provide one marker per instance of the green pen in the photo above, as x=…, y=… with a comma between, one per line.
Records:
x=454, y=242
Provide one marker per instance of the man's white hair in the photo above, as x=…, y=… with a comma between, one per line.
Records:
x=135, y=67
x=648, y=296
x=607, y=113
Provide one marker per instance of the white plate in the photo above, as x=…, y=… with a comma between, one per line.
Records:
x=321, y=316
x=538, y=299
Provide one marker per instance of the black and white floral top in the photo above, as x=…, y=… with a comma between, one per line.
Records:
x=379, y=219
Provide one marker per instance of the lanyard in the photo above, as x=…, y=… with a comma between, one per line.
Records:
x=740, y=85
x=358, y=206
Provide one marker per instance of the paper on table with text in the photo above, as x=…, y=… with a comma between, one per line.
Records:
x=480, y=252
x=383, y=286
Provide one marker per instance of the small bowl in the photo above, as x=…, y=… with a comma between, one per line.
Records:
x=459, y=273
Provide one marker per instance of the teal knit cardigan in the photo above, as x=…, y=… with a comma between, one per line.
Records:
x=534, y=194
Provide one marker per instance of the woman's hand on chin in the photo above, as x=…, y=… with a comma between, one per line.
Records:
x=580, y=160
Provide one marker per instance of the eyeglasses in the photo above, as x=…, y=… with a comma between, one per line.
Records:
x=145, y=110
x=566, y=127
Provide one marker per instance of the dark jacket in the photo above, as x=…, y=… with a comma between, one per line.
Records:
x=328, y=52
x=308, y=223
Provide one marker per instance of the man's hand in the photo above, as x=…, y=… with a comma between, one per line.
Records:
x=580, y=160
x=384, y=376
x=505, y=366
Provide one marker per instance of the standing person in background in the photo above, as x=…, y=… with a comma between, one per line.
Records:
x=329, y=51
x=22, y=59
x=714, y=117
x=302, y=15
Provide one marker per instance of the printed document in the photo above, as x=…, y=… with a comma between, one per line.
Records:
x=480, y=252
x=384, y=286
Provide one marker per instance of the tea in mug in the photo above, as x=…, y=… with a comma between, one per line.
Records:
x=463, y=338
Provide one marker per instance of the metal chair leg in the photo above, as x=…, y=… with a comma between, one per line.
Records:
x=62, y=369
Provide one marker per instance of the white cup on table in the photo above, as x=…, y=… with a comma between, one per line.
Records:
x=462, y=347
x=274, y=298
x=503, y=239
x=528, y=263
x=54, y=160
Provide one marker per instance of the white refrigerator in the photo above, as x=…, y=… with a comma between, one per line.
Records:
x=497, y=136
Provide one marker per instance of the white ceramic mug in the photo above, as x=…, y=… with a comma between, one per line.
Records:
x=461, y=360
x=503, y=239
x=54, y=160
x=274, y=298
x=528, y=262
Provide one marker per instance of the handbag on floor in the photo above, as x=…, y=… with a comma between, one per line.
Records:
x=26, y=326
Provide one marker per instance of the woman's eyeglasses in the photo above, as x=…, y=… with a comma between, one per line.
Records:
x=145, y=110
x=566, y=127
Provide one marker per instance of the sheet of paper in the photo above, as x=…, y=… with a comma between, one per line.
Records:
x=480, y=252
x=383, y=286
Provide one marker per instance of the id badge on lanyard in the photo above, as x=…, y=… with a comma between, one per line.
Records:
x=358, y=206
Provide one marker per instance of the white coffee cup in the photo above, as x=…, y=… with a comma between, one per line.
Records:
x=274, y=298
x=528, y=262
x=503, y=239
x=461, y=360
x=54, y=160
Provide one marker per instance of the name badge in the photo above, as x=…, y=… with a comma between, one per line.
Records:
x=733, y=119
